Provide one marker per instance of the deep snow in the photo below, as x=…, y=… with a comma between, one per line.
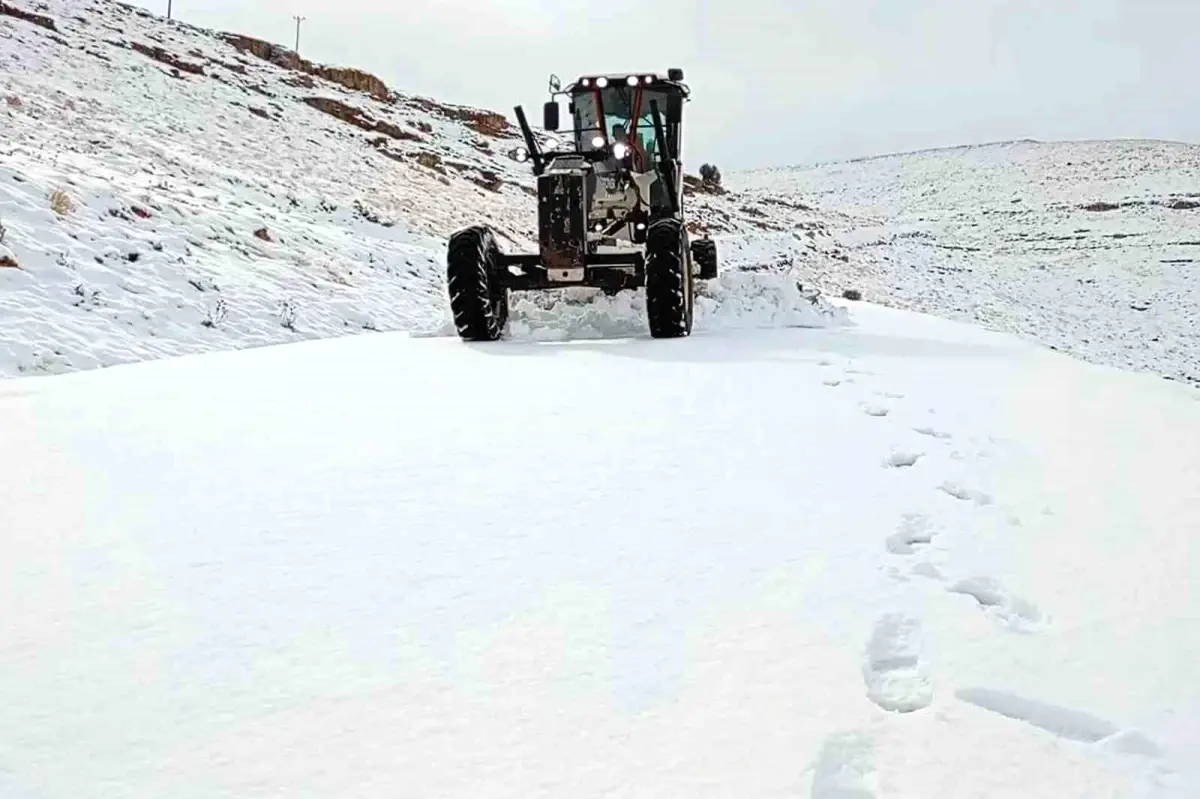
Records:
x=894, y=559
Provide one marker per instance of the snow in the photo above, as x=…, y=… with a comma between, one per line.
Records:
x=637, y=567
x=820, y=548
x=1009, y=236
x=179, y=173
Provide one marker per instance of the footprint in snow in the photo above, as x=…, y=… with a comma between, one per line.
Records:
x=901, y=459
x=932, y=433
x=893, y=670
x=927, y=570
x=1064, y=722
x=1012, y=612
x=845, y=768
x=875, y=410
x=914, y=530
x=966, y=494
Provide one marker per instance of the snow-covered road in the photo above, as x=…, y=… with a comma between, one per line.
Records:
x=901, y=558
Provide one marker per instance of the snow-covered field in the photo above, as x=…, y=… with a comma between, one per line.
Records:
x=1090, y=247
x=901, y=559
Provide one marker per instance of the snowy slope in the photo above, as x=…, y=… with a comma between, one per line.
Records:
x=1090, y=247
x=900, y=559
x=141, y=158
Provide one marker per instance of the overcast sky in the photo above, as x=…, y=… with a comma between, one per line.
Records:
x=779, y=82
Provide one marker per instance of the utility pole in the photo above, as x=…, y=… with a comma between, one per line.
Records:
x=298, y=19
x=168, y=9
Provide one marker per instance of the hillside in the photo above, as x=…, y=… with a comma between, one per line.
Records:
x=167, y=190
x=1092, y=248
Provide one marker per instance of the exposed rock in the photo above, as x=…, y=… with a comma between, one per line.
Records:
x=1101, y=206
x=489, y=180
x=353, y=79
x=234, y=67
x=486, y=123
x=395, y=131
x=264, y=234
x=9, y=10
x=170, y=59
x=431, y=161
x=360, y=119
x=795, y=206
x=6, y=262
x=380, y=144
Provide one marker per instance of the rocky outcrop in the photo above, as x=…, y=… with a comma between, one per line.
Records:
x=353, y=79
x=9, y=10
x=165, y=57
x=489, y=180
x=486, y=123
x=360, y=119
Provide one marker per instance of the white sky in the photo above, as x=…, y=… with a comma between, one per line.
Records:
x=779, y=82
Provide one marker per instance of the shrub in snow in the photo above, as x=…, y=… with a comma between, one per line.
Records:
x=710, y=176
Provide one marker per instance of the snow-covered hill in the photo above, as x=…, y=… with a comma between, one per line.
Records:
x=166, y=190
x=1089, y=247
x=900, y=559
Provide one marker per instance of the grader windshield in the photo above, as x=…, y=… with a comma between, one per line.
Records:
x=618, y=112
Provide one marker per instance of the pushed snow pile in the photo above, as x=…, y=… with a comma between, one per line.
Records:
x=901, y=558
x=736, y=300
